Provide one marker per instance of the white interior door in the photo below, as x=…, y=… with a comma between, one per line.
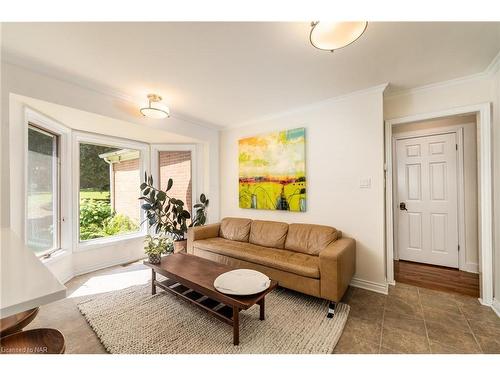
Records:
x=427, y=199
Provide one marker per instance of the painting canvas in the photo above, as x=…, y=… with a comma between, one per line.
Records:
x=272, y=172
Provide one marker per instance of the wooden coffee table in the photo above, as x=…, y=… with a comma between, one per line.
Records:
x=192, y=278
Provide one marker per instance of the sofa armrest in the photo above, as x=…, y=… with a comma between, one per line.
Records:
x=337, y=263
x=201, y=233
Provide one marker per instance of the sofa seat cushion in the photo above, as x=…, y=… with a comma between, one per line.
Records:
x=309, y=238
x=289, y=261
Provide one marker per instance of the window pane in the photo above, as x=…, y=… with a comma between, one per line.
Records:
x=177, y=166
x=42, y=219
x=109, y=188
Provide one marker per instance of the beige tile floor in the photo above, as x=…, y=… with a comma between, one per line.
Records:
x=408, y=320
x=418, y=320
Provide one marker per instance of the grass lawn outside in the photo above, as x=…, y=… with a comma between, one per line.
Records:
x=44, y=199
x=96, y=195
x=39, y=199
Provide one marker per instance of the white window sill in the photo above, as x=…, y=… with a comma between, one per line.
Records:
x=107, y=241
x=56, y=256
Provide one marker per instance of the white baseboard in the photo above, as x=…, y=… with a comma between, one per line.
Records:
x=382, y=288
x=103, y=265
x=496, y=306
x=83, y=271
x=470, y=267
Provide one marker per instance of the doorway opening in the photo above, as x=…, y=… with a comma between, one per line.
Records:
x=438, y=201
x=435, y=203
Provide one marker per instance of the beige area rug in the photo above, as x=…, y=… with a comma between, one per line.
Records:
x=133, y=321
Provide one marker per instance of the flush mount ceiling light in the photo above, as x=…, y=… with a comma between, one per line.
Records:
x=155, y=108
x=329, y=36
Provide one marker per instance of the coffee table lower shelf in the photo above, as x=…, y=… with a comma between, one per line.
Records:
x=223, y=312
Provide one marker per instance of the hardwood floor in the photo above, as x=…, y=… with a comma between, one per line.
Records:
x=437, y=278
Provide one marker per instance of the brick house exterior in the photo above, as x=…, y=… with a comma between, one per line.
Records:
x=125, y=179
x=177, y=165
x=125, y=188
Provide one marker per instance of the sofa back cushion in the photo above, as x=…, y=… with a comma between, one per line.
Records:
x=309, y=238
x=268, y=233
x=235, y=229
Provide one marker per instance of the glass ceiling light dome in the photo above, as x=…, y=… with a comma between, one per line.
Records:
x=155, y=108
x=329, y=36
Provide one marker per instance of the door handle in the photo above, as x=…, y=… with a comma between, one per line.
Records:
x=402, y=206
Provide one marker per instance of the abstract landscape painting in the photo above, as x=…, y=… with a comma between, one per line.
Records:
x=272, y=171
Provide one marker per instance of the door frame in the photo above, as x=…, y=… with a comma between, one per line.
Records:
x=483, y=124
x=458, y=131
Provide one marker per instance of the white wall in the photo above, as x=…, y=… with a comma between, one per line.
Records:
x=468, y=123
x=344, y=144
x=82, y=109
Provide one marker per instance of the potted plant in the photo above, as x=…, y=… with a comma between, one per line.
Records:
x=167, y=215
x=155, y=247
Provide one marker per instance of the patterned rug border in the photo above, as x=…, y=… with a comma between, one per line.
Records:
x=341, y=315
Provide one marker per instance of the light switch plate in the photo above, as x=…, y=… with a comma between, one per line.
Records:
x=365, y=183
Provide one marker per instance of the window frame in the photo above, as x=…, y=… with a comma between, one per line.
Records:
x=56, y=187
x=104, y=140
x=155, y=165
x=63, y=133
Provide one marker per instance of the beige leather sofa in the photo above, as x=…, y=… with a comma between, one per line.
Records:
x=311, y=259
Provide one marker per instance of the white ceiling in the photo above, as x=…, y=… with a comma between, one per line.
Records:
x=94, y=123
x=230, y=73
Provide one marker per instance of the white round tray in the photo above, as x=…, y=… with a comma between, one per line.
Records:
x=242, y=282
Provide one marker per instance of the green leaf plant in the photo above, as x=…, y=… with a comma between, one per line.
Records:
x=158, y=245
x=167, y=215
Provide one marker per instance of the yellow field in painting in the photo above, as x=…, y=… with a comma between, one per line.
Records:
x=267, y=194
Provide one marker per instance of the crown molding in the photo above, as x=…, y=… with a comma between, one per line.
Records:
x=374, y=89
x=442, y=84
x=491, y=69
x=494, y=65
x=60, y=75
x=91, y=85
